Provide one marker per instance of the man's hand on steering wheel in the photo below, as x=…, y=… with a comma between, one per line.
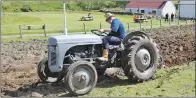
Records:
x=101, y=30
x=105, y=31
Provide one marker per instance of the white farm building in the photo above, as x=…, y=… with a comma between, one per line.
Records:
x=156, y=7
x=186, y=9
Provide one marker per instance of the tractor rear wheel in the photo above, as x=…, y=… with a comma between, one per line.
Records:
x=142, y=57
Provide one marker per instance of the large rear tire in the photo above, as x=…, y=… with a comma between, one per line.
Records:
x=142, y=57
x=80, y=78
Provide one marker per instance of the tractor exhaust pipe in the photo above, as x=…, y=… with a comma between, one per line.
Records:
x=64, y=9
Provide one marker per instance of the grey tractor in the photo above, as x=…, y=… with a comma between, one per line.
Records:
x=73, y=59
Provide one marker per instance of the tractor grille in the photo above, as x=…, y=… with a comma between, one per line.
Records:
x=53, y=58
x=52, y=55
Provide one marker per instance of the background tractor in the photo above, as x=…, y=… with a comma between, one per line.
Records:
x=86, y=18
x=73, y=58
x=139, y=18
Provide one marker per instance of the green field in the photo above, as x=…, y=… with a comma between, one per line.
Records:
x=55, y=22
x=54, y=19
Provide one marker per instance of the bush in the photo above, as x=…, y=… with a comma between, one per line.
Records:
x=26, y=8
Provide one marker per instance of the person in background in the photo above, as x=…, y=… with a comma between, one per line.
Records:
x=166, y=17
x=89, y=15
x=172, y=17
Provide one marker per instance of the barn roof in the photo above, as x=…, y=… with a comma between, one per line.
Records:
x=157, y=4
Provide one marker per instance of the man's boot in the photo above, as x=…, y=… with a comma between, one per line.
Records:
x=104, y=55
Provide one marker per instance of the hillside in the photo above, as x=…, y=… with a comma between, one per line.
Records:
x=37, y=6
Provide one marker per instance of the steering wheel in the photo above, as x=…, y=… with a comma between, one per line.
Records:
x=96, y=32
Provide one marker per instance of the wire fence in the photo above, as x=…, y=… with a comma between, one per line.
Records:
x=151, y=24
x=86, y=27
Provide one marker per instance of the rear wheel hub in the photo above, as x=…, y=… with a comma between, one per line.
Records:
x=142, y=59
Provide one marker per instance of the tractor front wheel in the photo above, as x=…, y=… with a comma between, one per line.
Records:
x=80, y=78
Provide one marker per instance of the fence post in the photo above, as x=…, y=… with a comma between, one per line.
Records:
x=100, y=25
x=151, y=23
x=186, y=21
x=44, y=27
x=160, y=22
x=20, y=31
x=140, y=25
x=194, y=22
x=29, y=27
x=179, y=29
x=169, y=22
x=193, y=26
x=84, y=28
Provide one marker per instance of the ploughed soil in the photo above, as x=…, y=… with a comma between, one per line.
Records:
x=177, y=44
x=19, y=60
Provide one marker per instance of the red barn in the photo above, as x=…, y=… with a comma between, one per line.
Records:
x=156, y=7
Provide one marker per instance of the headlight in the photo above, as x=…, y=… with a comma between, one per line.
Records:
x=52, y=48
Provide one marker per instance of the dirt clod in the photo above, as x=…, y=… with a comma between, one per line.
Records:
x=35, y=94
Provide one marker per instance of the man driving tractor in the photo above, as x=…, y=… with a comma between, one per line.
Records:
x=117, y=33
